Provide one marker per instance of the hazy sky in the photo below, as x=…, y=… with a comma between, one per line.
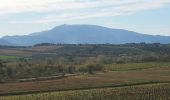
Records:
x=19, y=17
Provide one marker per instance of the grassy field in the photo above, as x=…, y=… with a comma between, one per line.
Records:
x=99, y=79
x=141, y=92
x=2, y=57
x=137, y=66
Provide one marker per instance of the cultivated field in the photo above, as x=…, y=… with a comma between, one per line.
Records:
x=100, y=79
x=141, y=92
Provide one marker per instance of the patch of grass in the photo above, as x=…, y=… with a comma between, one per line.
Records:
x=137, y=66
x=3, y=57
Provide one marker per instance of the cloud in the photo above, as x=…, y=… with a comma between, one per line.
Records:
x=64, y=10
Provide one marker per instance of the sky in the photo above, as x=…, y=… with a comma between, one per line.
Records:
x=22, y=17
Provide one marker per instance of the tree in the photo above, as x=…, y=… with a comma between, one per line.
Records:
x=49, y=62
x=1, y=65
x=91, y=69
x=90, y=63
x=95, y=64
x=61, y=66
x=2, y=72
x=71, y=69
x=10, y=72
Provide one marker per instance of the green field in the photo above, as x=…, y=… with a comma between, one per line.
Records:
x=4, y=57
x=137, y=66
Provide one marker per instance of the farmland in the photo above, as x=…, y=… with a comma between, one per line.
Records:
x=73, y=72
x=143, y=92
x=7, y=57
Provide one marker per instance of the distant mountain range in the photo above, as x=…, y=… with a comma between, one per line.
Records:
x=83, y=34
x=3, y=42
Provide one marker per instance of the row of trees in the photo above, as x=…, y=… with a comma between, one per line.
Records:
x=69, y=65
x=27, y=69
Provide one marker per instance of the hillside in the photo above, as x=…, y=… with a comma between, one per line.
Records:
x=3, y=42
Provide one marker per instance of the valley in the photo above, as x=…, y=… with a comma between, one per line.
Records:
x=52, y=69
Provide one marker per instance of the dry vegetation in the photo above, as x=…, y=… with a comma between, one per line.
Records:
x=142, y=92
x=94, y=71
x=89, y=81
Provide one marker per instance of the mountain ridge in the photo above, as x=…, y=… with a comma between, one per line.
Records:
x=85, y=34
x=4, y=42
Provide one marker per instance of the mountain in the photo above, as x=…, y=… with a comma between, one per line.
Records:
x=3, y=42
x=91, y=34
